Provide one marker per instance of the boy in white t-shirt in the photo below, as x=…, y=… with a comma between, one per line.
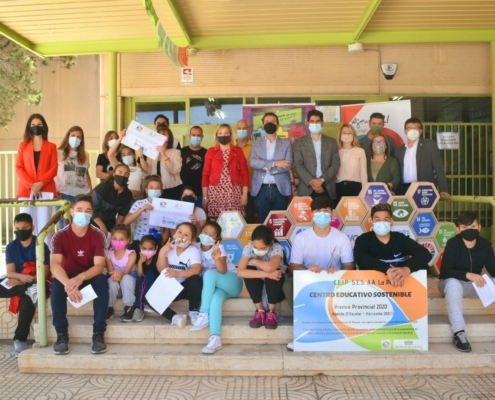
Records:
x=320, y=248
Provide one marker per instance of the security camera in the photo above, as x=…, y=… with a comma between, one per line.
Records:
x=389, y=70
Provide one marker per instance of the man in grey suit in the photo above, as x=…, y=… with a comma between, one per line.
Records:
x=316, y=160
x=271, y=159
x=420, y=161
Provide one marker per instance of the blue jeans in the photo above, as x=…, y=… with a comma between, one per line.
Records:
x=64, y=197
x=269, y=199
x=143, y=284
x=59, y=304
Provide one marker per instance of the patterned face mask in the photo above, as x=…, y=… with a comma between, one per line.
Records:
x=378, y=146
x=182, y=243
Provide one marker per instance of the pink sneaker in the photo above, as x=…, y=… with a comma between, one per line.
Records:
x=271, y=320
x=258, y=320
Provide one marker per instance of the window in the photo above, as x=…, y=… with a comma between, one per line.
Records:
x=212, y=111
x=174, y=111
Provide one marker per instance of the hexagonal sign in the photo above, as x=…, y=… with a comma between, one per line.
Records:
x=424, y=223
x=351, y=210
x=280, y=223
x=287, y=249
x=374, y=193
x=367, y=222
x=336, y=221
x=246, y=233
x=232, y=223
x=424, y=195
x=405, y=229
x=402, y=209
x=443, y=232
x=352, y=231
x=430, y=245
x=300, y=210
x=296, y=231
x=233, y=248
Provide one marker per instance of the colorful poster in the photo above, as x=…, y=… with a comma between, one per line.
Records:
x=396, y=113
x=187, y=76
x=359, y=311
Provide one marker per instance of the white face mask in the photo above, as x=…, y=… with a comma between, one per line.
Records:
x=413, y=135
x=260, y=253
x=346, y=138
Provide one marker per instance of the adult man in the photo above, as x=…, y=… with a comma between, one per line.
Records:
x=319, y=248
x=20, y=257
x=463, y=260
x=271, y=159
x=77, y=260
x=420, y=161
x=316, y=160
x=193, y=157
x=392, y=253
x=243, y=141
x=377, y=123
x=161, y=119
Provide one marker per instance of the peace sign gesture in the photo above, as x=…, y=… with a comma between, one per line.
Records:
x=216, y=253
x=168, y=246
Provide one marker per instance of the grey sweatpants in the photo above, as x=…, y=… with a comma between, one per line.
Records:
x=128, y=286
x=454, y=290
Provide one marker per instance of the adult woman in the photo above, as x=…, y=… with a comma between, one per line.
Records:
x=167, y=165
x=103, y=166
x=352, y=173
x=225, y=176
x=36, y=167
x=112, y=197
x=382, y=167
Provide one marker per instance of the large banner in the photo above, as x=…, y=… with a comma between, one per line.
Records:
x=359, y=311
x=396, y=113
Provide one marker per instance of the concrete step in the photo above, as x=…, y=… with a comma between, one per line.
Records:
x=236, y=330
x=255, y=360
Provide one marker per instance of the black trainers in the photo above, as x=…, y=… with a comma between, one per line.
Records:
x=98, y=345
x=110, y=313
x=461, y=343
x=128, y=314
x=61, y=346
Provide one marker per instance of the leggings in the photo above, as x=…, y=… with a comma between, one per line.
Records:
x=217, y=288
x=192, y=292
x=273, y=288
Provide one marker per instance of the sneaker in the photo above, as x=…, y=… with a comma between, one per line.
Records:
x=128, y=314
x=147, y=308
x=193, y=316
x=202, y=321
x=461, y=343
x=213, y=345
x=61, y=346
x=290, y=346
x=138, y=315
x=32, y=292
x=271, y=320
x=19, y=347
x=258, y=319
x=110, y=313
x=179, y=320
x=98, y=345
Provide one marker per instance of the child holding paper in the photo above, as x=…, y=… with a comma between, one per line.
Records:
x=220, y=282
x=180, y=260
x=462, y=264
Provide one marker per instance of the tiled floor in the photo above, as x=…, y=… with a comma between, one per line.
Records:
x=14, y=385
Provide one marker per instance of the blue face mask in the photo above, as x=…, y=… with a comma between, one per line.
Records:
x=81, y=219
x=242, y=133
x=315, y=128
x=262, y=132
x=322, y=219
x=154, y=193
x=74, y=142
x=206, y=240
x=128, y=160
x=196, y=141
x=381, y=228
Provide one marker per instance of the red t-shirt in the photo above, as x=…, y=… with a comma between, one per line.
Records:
x=78, y=252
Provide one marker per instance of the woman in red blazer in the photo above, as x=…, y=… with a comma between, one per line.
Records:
x=36, y=167
x=225, y=176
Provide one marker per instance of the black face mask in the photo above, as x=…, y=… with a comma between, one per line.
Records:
x=189, y=199
x=223, y=139
x=23, y=234
x=121, y=180
x=270, y=128
x=37, y=130
x=470, y=234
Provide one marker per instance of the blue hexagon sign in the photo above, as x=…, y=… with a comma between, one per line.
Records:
x=424, y=224
x=424, y=195
x=374, y=193
x=287, y=249
x=234, y=251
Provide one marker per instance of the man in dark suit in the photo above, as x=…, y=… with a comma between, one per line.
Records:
x=420, y=159
x=316, y=160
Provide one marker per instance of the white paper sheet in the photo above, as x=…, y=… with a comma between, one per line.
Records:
x=88, y=294
x=163, y=292
x=4, y=284
x=170, y=213
x=487, y=292
x=138, y=136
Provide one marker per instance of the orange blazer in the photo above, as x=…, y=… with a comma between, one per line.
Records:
x=47, y=168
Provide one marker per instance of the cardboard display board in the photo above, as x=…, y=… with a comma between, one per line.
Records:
x=300, y=210
x=374, y=193
x=232, y=223
x=424, y=224
x=405, y=229
x=443, y=232
x=233, y=248
x=432, y=247
x=246, y=233
x=352, y=231
x=402, y=209
x=296, y=231
x=351, y=210
x=280, y=223
x=424, y=195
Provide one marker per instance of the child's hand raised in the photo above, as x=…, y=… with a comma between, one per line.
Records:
x=168, y=246
x=216, y=253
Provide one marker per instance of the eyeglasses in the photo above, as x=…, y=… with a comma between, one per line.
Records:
x=378, y=141
x=212, y=235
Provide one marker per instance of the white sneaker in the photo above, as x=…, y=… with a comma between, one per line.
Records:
x=193, y=316
x=19, y=347
x=213, y=345
x=202, y=321
x=290, y=346
x=32, y=292
x=179, y=320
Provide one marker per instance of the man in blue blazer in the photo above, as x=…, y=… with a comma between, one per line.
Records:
x=271, y=159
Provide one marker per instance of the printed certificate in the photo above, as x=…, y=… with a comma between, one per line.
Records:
x=170, y=213
x=138, y=136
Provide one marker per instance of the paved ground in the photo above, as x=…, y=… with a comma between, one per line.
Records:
x=14, y=385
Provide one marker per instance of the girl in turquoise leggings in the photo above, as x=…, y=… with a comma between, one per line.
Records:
x=220, y=282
